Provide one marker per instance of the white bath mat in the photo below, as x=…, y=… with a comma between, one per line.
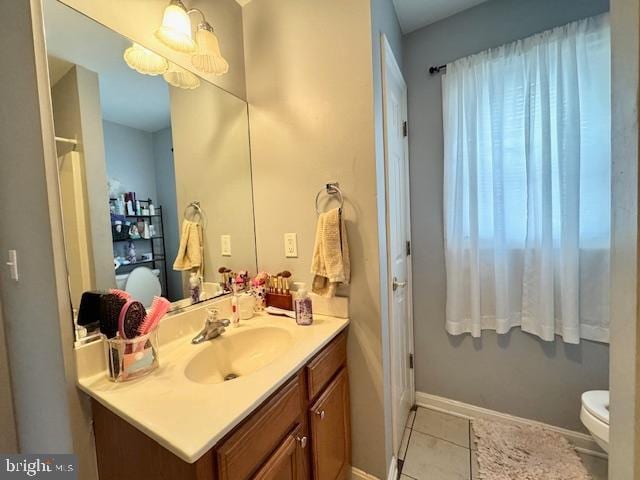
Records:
x=516, y=452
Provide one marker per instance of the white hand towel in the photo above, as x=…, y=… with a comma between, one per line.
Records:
x=330, y=264
x=190, y=252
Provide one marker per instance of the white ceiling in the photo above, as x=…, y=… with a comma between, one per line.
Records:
x=127, y=97
x=415, y=14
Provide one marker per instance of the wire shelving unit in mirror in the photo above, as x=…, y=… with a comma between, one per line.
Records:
x=148, y=236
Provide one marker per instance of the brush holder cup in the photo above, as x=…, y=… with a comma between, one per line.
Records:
x=131, y=359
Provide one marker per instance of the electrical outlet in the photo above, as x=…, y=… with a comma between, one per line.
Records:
x=225, y=245
x=290, y=245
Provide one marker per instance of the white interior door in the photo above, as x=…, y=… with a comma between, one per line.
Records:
x=398, y=240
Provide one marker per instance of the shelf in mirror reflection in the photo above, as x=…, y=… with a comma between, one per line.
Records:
x=140, y=262
x=157, y=237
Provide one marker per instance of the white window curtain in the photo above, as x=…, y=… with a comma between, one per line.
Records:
x=527, y=185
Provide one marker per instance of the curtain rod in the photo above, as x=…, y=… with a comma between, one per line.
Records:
x=440, y=68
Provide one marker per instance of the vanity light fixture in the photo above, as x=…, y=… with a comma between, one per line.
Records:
x=144, y=61
x=181, y=78
x=208, y=57
x=175, y=31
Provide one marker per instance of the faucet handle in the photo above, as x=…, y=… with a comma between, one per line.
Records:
x=225, y=322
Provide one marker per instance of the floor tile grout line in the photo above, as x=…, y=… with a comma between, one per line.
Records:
x=470, y=452
x=408, y=441
x=441, y=439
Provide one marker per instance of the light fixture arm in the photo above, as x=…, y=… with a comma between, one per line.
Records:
x=196, y=10
x=203, y=25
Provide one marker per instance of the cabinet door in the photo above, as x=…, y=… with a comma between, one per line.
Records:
x=287, y=462
x=330, y=431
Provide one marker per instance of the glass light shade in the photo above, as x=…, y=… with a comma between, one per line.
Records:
x=208, y=58
x=181, y=78
x=145, y=61
x=175, y=31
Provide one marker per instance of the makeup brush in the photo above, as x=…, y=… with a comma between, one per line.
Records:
x=286, y=275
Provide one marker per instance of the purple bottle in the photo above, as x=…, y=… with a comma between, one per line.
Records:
x=302, y=305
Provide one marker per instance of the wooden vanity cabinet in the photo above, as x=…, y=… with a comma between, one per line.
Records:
x=330, y=431
x=301, y=432
x=287, y=462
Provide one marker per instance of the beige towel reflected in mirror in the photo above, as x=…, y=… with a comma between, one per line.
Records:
x=330, y=264
x=191, y=249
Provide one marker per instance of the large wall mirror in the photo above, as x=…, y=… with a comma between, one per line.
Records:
x=152, y=175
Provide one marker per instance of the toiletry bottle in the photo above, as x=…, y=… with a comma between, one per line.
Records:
x=194, y=287
x=302, y=305
x=235, y=313
x=152, y=208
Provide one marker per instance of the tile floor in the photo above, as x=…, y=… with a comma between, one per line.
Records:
x=438, y=446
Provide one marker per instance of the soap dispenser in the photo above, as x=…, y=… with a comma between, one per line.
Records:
x=195, y=286
x=302, y=305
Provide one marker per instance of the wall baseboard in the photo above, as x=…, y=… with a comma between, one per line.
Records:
x=581, y=441
x=357, y=474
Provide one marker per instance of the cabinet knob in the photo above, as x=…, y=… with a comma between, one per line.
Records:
x=302, y=441
x=320, y=413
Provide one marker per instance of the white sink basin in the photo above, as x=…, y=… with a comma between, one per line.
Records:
x=236, y=354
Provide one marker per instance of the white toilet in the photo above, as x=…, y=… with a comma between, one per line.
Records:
x=142, y=283
x=595, y=416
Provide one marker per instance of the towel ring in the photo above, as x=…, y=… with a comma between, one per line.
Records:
x=330, y=189
x=197, y=211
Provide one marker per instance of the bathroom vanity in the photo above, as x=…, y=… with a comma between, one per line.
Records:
x=286, y=415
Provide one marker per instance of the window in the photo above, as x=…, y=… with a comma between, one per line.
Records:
x=527, y=185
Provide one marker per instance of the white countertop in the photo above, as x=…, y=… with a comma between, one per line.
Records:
x=188, y=418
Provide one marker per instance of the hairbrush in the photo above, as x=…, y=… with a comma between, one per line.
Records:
x=132, y=315
x=121, y=293
x=110, y=306
x=89, y=310
x=159, y=308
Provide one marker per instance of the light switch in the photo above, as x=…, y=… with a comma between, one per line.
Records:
x=13, y=265
x=290, y=245
x=225, y=245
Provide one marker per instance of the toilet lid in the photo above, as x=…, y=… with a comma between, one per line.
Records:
x=596, y=403
x=143, y=285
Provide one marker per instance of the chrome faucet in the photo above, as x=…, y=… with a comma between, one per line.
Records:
x=212, y=327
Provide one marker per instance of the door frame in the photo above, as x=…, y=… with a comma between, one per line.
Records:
x=388, y=61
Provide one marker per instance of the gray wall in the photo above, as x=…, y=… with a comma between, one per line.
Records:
x=624, y=448
x=514, y=373
x=312, y=122
x=166, y=185
x=77, y=114
x=129, y=155
x=30, y=307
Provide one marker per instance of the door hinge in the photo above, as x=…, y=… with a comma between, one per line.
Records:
x=411, y=360
x=408, y=247
x=405, y=129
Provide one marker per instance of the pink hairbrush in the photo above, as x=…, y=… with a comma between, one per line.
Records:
x=131, y=317
x=121, y=294
x=159, y=308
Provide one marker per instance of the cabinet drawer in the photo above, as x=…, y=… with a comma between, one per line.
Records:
x=253, y=442
x=323, y=367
